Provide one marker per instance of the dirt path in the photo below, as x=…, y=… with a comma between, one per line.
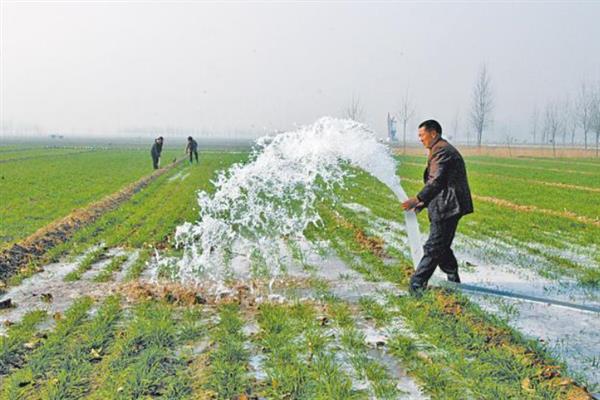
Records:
x=32, y=248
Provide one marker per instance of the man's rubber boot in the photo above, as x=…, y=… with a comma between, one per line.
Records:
x=454, y=278
x=416, y=291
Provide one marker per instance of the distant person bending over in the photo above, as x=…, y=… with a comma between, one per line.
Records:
x=156, y=150
x=447, y=196
x=192, y=149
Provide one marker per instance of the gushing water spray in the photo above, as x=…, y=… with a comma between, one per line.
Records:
x=273, y=196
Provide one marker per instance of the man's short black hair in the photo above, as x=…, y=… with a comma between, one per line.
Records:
x=431, y=125
x=189, y=138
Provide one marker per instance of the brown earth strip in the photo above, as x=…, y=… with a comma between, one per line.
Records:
x=32, y=248
x=534, y=181
x=493, y=164
x=509, y=153
x=423, y=165
x=563, y=161
x=545, y=183
x=518, y=207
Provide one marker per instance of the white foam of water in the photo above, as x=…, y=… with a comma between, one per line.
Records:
x=273, y=196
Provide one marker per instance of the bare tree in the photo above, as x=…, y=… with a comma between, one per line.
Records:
x=565, y=115
x=509, y=141
x=595, y=115
x=407, y=111
x=572, y=121
x=483, y=104
x=355, y=111
x=552, y=124
x=585, y=103
x=535, y=117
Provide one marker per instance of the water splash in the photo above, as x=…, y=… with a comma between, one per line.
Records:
x=260, y=204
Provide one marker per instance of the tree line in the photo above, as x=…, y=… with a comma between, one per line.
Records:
x=563, y=122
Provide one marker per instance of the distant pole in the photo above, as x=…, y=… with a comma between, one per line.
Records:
x=407, y=111
x=404, y=134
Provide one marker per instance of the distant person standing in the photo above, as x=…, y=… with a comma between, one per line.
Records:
x=156, y=150
x=192, y=149
x=447, y=196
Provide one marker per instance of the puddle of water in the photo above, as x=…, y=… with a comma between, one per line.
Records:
x=28, y=295
x=518, y=278
x=569, y=334
x=176, y=176
x=410, y=389
x=376, y=340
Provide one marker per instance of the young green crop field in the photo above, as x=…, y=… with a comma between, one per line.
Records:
x=89, y=321
x=41, y=185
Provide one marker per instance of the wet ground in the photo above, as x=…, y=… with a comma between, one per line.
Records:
x=570, y=334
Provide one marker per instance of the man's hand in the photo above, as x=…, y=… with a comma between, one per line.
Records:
x=411, y=204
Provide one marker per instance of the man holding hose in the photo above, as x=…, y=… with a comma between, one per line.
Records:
x=447, y=196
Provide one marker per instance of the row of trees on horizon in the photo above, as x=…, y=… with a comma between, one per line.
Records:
x=567, y=122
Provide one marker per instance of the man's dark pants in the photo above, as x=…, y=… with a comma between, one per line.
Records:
x=192, y=154
x=155, y=162
x=437, y=252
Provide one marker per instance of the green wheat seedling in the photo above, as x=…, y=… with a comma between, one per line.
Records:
x=227, y=376
x=115, y=265
x=85, y=264
x=298, y=360
x=138, y=266
x=383, y=386
x=142, y=362
x=481, y=354
x=13, y=345
x=72, y=376
x=22, y=382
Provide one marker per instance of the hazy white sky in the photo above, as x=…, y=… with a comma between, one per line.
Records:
x=97, y=67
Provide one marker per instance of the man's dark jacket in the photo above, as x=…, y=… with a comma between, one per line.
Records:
x=156, y=150
x=192, y=145
x=446, y=193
